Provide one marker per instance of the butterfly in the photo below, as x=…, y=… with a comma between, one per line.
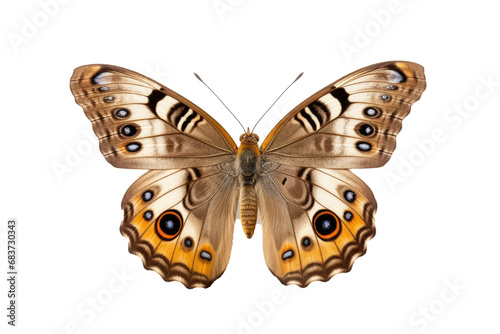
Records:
x=316, y=215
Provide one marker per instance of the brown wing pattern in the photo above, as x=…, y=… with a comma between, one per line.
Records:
x=351, y=123
x=142, y=124
x=180, y=222
x=315, y=222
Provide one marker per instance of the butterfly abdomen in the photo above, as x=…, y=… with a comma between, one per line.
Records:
x=248, y=209
x=247, y=165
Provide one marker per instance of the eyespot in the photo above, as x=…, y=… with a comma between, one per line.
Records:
x=350, y=196
x=109, y=98
x=168, y=225
x=287, y=255
x=100, y=78
x=128, y=130
x=148, y=215
x=395, y=75
x=306, y=242
x=326, y=225
x=348, y=216
x=366, y=130
x=206, y=255
x=122, y=113
x=364, y=146
x=371, y=112
x=133, y=147
x=147, y=195
x=188, y=242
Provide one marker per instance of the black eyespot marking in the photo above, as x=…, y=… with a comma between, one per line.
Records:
x=168, y=225
x=287, y=255
x=364, y=146
x=306, y=242
x=385, y=97
x=148, y=215
x=371, y=112
x=188, y=242
x=350, y=196
x=147, y=195
x=109, y=98
x=348, y=216
x=133, y=147
x=392, y=87
x=366, y=130
x=205, y=255
x=122, y=113
x=128, y=130
x=104, y=88
x=326, y=225
x=284, y=181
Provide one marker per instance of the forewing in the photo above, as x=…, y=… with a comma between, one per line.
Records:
x=142, y=124
x=351, y=123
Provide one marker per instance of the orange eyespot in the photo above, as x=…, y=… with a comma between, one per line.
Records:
x=327, y=225
x=168, y=225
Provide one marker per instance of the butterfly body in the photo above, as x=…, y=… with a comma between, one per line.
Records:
x=248, y=166
x=316, y=215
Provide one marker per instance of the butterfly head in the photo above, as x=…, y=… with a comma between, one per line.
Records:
x=249, y=137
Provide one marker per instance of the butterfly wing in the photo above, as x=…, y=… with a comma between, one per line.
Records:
x=315, y=221
x=180, y=222
x=179, y=216
x=316, y=215
x=351, y=123
x=142, y=124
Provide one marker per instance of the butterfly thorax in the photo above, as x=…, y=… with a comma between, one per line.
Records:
x=247, y=165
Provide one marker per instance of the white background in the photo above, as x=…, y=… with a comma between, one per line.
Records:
x=433, y=265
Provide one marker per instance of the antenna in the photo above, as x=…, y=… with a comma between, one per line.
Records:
x=197, y=76
x=298, y=77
